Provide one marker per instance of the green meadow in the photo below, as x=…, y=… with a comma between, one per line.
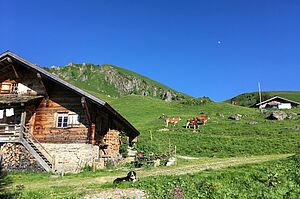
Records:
x=216, y=142
x=220, y=137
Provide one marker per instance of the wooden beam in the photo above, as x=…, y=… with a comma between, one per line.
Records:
x=7, y=59
x=23, y=123
x=42, y=83
x=88, y=116
x=15, y=71
x=5, y=67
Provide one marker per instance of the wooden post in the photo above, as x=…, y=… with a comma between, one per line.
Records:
x=53, y=163
x=63, y=168
x=259, y=92
x=23, y=121
x=169, y=145
x=175, y=155
x=23, y=118
x=91, y=125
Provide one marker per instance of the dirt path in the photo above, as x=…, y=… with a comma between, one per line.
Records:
x=194, y=166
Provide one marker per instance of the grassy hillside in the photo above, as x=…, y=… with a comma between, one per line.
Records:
x=250, y=99
x=221, y=136
x=114, y=81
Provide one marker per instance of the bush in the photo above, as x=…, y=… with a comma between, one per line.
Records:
x=196, y=101
x=124, y=144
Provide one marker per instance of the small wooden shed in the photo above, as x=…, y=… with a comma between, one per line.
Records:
x=278, y=103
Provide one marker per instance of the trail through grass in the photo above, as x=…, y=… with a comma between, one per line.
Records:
x=193, y=166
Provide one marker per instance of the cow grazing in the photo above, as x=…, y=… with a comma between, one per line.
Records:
x=173, y=120
x=191, y=122
x=201, y=118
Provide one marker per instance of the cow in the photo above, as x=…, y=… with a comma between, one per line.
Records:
x=191, y=122
x=173, y=120
x=201, y=118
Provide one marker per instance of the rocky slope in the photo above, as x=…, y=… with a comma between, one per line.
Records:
x=114, y=81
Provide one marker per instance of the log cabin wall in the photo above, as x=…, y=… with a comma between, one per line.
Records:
x=61, y=101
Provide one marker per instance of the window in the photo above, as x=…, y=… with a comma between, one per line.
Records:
x=62, y=120
x=73, y=119
x=65, y=120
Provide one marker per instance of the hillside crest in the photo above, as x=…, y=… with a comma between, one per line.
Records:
x=250, y=99
x=114, y=81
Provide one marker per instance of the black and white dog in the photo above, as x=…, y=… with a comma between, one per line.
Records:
x=131, y=176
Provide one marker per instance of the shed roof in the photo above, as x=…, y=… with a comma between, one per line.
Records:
x=278, y=97
x=8, y=55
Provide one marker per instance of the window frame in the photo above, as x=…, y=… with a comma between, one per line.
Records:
x=66, y=120
x=63, y=116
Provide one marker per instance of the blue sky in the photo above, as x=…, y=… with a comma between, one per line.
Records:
x=203, y=48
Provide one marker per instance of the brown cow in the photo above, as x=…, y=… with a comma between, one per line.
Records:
x=202, y=118
x=191, y=122
x=173, y=120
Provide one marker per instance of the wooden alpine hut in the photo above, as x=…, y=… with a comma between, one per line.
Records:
x=48, y=124
x=278, y=102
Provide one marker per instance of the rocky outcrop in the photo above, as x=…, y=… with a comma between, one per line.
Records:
x=130, y=84
x=278, y=115
x=112, y=80
x=235, y=117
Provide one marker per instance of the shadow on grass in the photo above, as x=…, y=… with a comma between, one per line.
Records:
x=5, y=184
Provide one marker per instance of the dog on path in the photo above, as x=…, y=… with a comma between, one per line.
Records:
x=131, y=177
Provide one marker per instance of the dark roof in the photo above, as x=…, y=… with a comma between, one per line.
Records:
x=278, y=97
x=67, y=85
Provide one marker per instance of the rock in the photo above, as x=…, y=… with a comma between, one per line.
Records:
x=235, y=117
x=171, y=161
x=156, y=163
x=220, y=115
x=252, y=123
x=163, y=129
x=296, y=128
x=292, y=116
x=264, y=111
x=167, y=96
x=278, y=115
x=131, y=153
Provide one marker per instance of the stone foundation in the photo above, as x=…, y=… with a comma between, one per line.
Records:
x=72, y=157
x=16, y=157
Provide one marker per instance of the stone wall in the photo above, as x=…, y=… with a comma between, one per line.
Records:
x=16, y=157
x=72, y=157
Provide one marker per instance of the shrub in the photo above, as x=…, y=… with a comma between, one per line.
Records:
x=196, y=101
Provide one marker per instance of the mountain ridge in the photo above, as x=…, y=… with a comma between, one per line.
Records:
x=114, y=81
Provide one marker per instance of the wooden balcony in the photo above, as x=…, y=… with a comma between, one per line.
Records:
x=10, y=133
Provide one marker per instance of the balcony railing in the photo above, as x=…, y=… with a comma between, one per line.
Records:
x=10, y=132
